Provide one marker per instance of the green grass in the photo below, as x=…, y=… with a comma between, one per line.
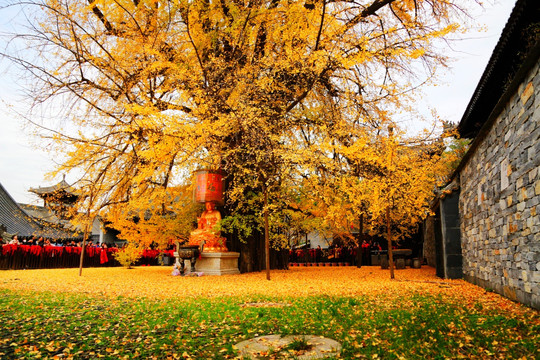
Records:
x=45, y=325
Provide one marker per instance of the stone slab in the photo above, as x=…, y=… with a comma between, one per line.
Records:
x=218, y=263
x=259, y=347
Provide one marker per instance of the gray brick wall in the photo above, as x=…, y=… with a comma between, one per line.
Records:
x=500, y=201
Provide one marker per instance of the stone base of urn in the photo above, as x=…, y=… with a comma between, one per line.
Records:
x=218, y=263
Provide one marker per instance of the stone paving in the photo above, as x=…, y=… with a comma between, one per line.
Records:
x=280, y=347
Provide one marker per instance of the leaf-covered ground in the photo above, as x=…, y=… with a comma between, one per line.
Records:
x=146, y=313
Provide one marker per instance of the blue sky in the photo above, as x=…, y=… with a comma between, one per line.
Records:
x=23, y=166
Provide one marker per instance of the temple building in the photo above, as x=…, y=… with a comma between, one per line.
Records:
x=52, y=219
x=59, y=208
x=58, y=200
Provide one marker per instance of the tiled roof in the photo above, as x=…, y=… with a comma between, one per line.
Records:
x=47, y=219
x=14, y=218
x=61, y=186
x=39, y=212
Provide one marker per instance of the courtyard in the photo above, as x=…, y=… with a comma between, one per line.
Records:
x=145, y=313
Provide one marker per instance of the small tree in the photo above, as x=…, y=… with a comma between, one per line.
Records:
x=128, y=255
x=158, y=221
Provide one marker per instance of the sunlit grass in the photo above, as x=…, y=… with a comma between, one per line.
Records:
x=145, y=313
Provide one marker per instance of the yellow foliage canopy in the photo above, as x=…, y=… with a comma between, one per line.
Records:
x=290, y=97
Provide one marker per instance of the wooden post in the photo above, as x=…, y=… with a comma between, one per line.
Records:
x=266, y=235
x=389, y=235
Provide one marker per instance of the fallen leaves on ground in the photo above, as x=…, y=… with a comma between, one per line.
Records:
x=157, y=283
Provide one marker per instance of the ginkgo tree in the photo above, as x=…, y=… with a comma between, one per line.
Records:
x=400, y=199
x=274, y=93
x=384, y=180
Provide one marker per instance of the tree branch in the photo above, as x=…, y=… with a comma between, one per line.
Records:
x=102, y=18
x=368, y=11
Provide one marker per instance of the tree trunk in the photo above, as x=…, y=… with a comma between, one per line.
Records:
x=85, y=236
x=252, y=255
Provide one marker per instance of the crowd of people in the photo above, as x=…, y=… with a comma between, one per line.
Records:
x=46, y=241
x=35, y=252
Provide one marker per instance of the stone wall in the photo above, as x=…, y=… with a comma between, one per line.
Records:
x=499, y=202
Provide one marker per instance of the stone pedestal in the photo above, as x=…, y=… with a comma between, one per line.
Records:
x=218, y=263
x=400, y=263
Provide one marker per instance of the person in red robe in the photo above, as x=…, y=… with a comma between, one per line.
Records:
x=103, y=256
